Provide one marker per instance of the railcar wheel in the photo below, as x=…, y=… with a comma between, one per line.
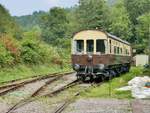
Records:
x=112, y=72
x=117, y=72
x=128, y=68
x=108, y=75
x=80, y=77
x=102, y=78
x=121, y=70
x=91, y=79
x=124, y=69
x=99, y=78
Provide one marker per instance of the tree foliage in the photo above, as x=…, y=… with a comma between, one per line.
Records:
x=92, y=14
x=54, y=24
x=120, y=22
x=8, y=24
x=136, y=8
x=143, y=32
x=29, y=21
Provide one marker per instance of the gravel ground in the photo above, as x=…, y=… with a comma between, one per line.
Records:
x=35, y=107
x=14, y=97
x=145, y=105
x=99, y=106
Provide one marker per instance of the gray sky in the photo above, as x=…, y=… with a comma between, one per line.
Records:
x=24, y=7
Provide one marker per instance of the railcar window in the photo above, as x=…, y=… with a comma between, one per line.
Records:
x=90, y=46
x=110, y=45
x=100, y=46
x=121, y=50
x=117, y=50
x=127, y=52
x=80, y=45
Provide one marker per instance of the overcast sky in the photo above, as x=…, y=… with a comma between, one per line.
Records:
x=24, y=7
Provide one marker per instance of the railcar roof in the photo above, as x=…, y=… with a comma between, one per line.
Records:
x=103, y=34
x=116, y=38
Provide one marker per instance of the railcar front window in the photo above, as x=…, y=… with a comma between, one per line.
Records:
x=100, y=46
x=90, y=46
x=80, y=45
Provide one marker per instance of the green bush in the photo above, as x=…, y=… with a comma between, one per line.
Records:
x=36, y=52
x=31, y=52
x=12, y=46
x=5, y=56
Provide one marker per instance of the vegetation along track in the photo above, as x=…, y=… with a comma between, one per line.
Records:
x=4, y=89
x=51, y=94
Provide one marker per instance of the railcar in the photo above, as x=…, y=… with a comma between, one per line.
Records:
x=98, y=55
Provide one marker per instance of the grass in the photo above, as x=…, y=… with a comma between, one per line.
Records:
x=108, y=89
x=24, y=71
x=147, y=71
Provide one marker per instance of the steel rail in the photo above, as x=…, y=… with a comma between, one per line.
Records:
x=61, y=108
x=8, y=88
x=34, y=96
x=15, y=82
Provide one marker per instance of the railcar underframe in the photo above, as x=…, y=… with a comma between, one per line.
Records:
x=100, y=67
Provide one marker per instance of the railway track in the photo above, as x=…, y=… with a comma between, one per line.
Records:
x=35, y=95
x=14, y=86
x=17, y=81
x=39, y=94
x=65, y=104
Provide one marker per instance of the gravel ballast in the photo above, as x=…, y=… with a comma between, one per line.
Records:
x=99, y=106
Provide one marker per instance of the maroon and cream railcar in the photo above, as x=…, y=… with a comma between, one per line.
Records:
x=99, y=55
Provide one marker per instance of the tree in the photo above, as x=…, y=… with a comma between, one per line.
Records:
x=143, y=32
x=54, y=24
x=27, y=22
x=73, y=25
x=7, y=24
x=136, y=8
x=92, y=14
x=120, y=22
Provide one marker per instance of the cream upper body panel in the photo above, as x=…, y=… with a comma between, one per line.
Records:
x=99, y=35
x=90, y=34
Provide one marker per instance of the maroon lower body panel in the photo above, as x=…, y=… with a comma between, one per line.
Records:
x=106, y=59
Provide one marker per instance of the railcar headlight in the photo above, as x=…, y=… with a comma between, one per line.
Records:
x=101, y=66
x=76, y=67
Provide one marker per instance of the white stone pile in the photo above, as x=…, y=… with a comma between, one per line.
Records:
x=138, y=87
